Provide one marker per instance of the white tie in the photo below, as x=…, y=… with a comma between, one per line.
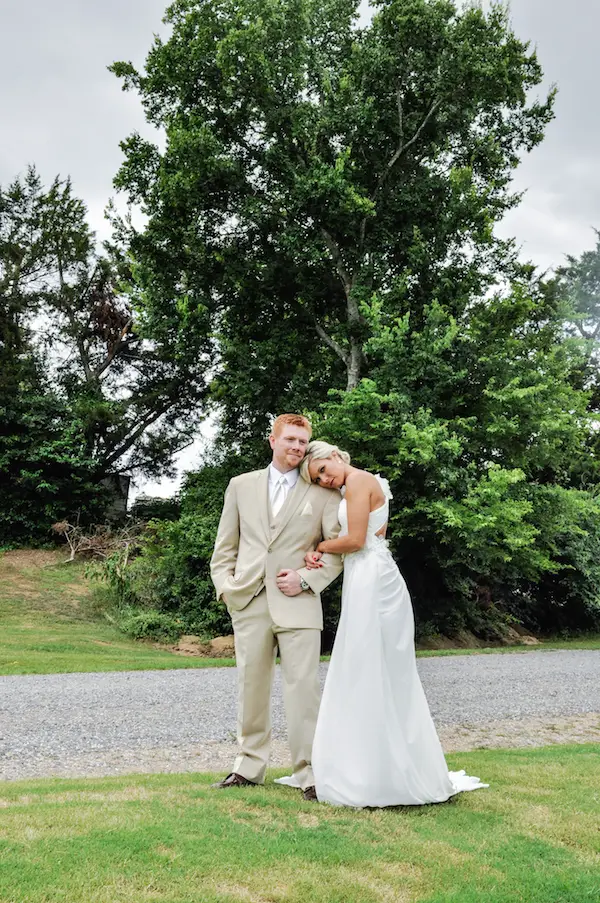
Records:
x=280, y=495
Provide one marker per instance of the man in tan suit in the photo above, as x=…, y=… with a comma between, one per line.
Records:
x=270, y=519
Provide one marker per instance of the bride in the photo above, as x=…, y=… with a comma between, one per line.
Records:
x=375, y=742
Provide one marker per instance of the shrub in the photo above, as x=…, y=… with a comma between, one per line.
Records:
x=169, y=578
x=145, y=508
x=149, y=624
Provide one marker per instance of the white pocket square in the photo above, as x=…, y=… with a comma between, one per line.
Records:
x=306, y=510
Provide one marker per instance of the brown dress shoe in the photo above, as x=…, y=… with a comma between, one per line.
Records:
x=234, y=780
x=310, y=794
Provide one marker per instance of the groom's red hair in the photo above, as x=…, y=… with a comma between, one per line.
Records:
x=290, y=420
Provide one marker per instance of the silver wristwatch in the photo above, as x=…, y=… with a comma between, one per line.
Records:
x=304, y=586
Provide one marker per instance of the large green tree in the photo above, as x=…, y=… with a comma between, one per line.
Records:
x=46, y=474
x=133, y=399
x=311, y=166
x=579, y=281
x=45, y=471
x=579, y=286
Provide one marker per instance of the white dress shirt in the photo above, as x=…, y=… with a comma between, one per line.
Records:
x=275, y=476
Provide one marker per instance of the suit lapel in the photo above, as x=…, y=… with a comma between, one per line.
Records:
x=263, y=501
x=291, y=505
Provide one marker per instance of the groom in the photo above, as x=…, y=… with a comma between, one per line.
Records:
x=270, y=518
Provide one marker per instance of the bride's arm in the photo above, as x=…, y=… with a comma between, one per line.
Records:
x=358, y=501
x=329, y=565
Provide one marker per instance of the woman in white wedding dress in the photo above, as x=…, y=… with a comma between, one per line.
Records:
x=375, y=742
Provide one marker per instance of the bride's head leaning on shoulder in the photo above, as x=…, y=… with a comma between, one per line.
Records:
x=326, y=465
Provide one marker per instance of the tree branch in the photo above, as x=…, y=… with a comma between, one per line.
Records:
x=347, y=280
x=402, y=147
x=583, y=332
x=84, y=356
x=434, y=106
x=126, y=444
x=118, y=346
x=332, y=343
x=334, y=250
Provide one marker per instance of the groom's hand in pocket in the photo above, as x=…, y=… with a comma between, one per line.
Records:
x=288, y=582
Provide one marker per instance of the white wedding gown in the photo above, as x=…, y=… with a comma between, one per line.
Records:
x=375, y=742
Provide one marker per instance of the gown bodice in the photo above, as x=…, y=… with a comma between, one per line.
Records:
x=377, y=519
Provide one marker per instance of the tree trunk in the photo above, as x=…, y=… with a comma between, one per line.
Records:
x=353, y=365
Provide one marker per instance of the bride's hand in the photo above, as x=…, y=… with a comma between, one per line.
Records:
x=312, y=559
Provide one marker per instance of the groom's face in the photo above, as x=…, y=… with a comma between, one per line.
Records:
x=289, y=446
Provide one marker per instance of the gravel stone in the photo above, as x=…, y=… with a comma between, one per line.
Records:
x=185, y=720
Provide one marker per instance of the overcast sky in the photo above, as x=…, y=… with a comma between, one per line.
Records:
x=62, y=110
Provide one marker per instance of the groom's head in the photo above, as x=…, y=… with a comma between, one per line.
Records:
x=290, y=435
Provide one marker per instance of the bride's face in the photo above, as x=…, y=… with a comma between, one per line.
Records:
x=328, y=472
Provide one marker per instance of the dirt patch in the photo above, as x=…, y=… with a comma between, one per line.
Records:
x=374, y=882
x=464, y=639
x=17, y=559
x=13, y=564
x=219, y=647
x=44, y=578
x=508, y=733
x=239, y=892
x=308, y=821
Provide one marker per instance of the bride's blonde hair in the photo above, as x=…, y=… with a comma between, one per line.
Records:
x=317, y=451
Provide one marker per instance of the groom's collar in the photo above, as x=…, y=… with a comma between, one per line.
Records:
x=291, y=476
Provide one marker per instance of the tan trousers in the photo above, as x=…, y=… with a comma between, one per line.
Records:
x=256, y=642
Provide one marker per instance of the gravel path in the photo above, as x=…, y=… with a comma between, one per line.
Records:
x=148, y=721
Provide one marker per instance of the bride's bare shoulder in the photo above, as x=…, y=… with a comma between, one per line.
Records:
x=361, y=481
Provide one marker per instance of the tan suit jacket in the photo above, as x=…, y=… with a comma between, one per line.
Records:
x=252, y=547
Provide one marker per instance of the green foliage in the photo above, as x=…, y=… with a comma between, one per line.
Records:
x=567, y=599
x=47, y=474
x=150, y=625
x=133, y=402
x=149, y=508
x=308, y=164
x=83, y=390
x=168, y=583
x=172, y=574
x=580, y=285
x=475, y=422
x=45, y=469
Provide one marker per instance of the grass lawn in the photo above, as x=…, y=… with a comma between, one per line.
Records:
x=591, y=641
x=49, y=625
x=533, y=837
